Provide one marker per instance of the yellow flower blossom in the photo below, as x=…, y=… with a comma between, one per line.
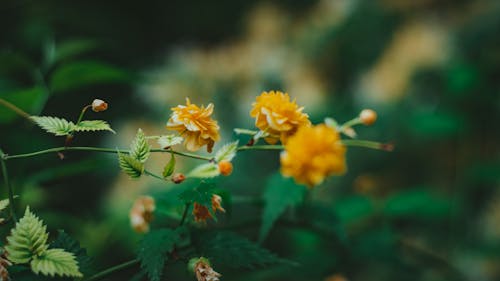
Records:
x=275, y=114
x=312, y=154
x=195, y=125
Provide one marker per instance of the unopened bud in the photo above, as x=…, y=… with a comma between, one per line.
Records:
x=203, y=270
x=99, y=105
x=178, y=178
x=368, y=117
x=141, y=213
x=225, y=168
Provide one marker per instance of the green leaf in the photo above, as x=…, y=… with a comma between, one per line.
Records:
x=154, y=249
x=170, y=167
x=229, y=249
x=280, y=194
x=55, y=125
x=83, y=73
x=30, y=100
x=240, y=131
x=208, y=170
x=72, y=48
x=54, y=262
x=139, y=149
x=169, y=140
x=131, y=166
x=201, y=194
x=4, y=204
x=92, y=126
x=418, y=203
x=332, y=123
x=27, y=240
x=354, y=208
x=69, y=244
x=227, y=152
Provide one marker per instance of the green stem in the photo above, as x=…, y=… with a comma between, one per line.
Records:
x=106, y=272
x=16, y=109
x=84, y=109
x=9, y=187
x=262, y=147
x=153, y=175
x=350, y=123
x=184, y=214
x=368, y=144
x=98, y=149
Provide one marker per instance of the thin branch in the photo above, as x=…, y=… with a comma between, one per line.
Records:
x=9, y=186
x=113, y=269
x=16, y=109
x=99, y=149
x=154, y=175
x=184, y=214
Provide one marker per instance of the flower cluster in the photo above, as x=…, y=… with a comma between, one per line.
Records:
x=311, y=152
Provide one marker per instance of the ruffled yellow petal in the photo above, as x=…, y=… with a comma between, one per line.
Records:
x=275, y=114
x=195, y=124
x=312, y=154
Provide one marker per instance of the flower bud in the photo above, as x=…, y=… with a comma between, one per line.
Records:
x=99, y=105
x=203, y=270
x=368, y=117
x=141, y=213
x=178, y=178
x=225, y=168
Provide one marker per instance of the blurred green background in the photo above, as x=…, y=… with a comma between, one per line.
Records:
x=430, y=210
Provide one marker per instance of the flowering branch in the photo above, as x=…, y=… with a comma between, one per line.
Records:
x=98, y=149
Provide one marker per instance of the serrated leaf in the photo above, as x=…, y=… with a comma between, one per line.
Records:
x=280, y=194
x=4, y=204
x=232, y=250
x=208, y=170
x=139, y=149
x=55, y=125
x=201, y=194
x=170, y=167
x=56, y=262
x=69, y=244
x=92, y=126
x=27, y=240
x=131, y=166
x=169, y=140
x=227, y=152
x=154, y=249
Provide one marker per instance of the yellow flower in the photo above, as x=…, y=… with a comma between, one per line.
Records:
x=312, y=154
x=195, y=125
x=141, y=213
x=275, y=114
